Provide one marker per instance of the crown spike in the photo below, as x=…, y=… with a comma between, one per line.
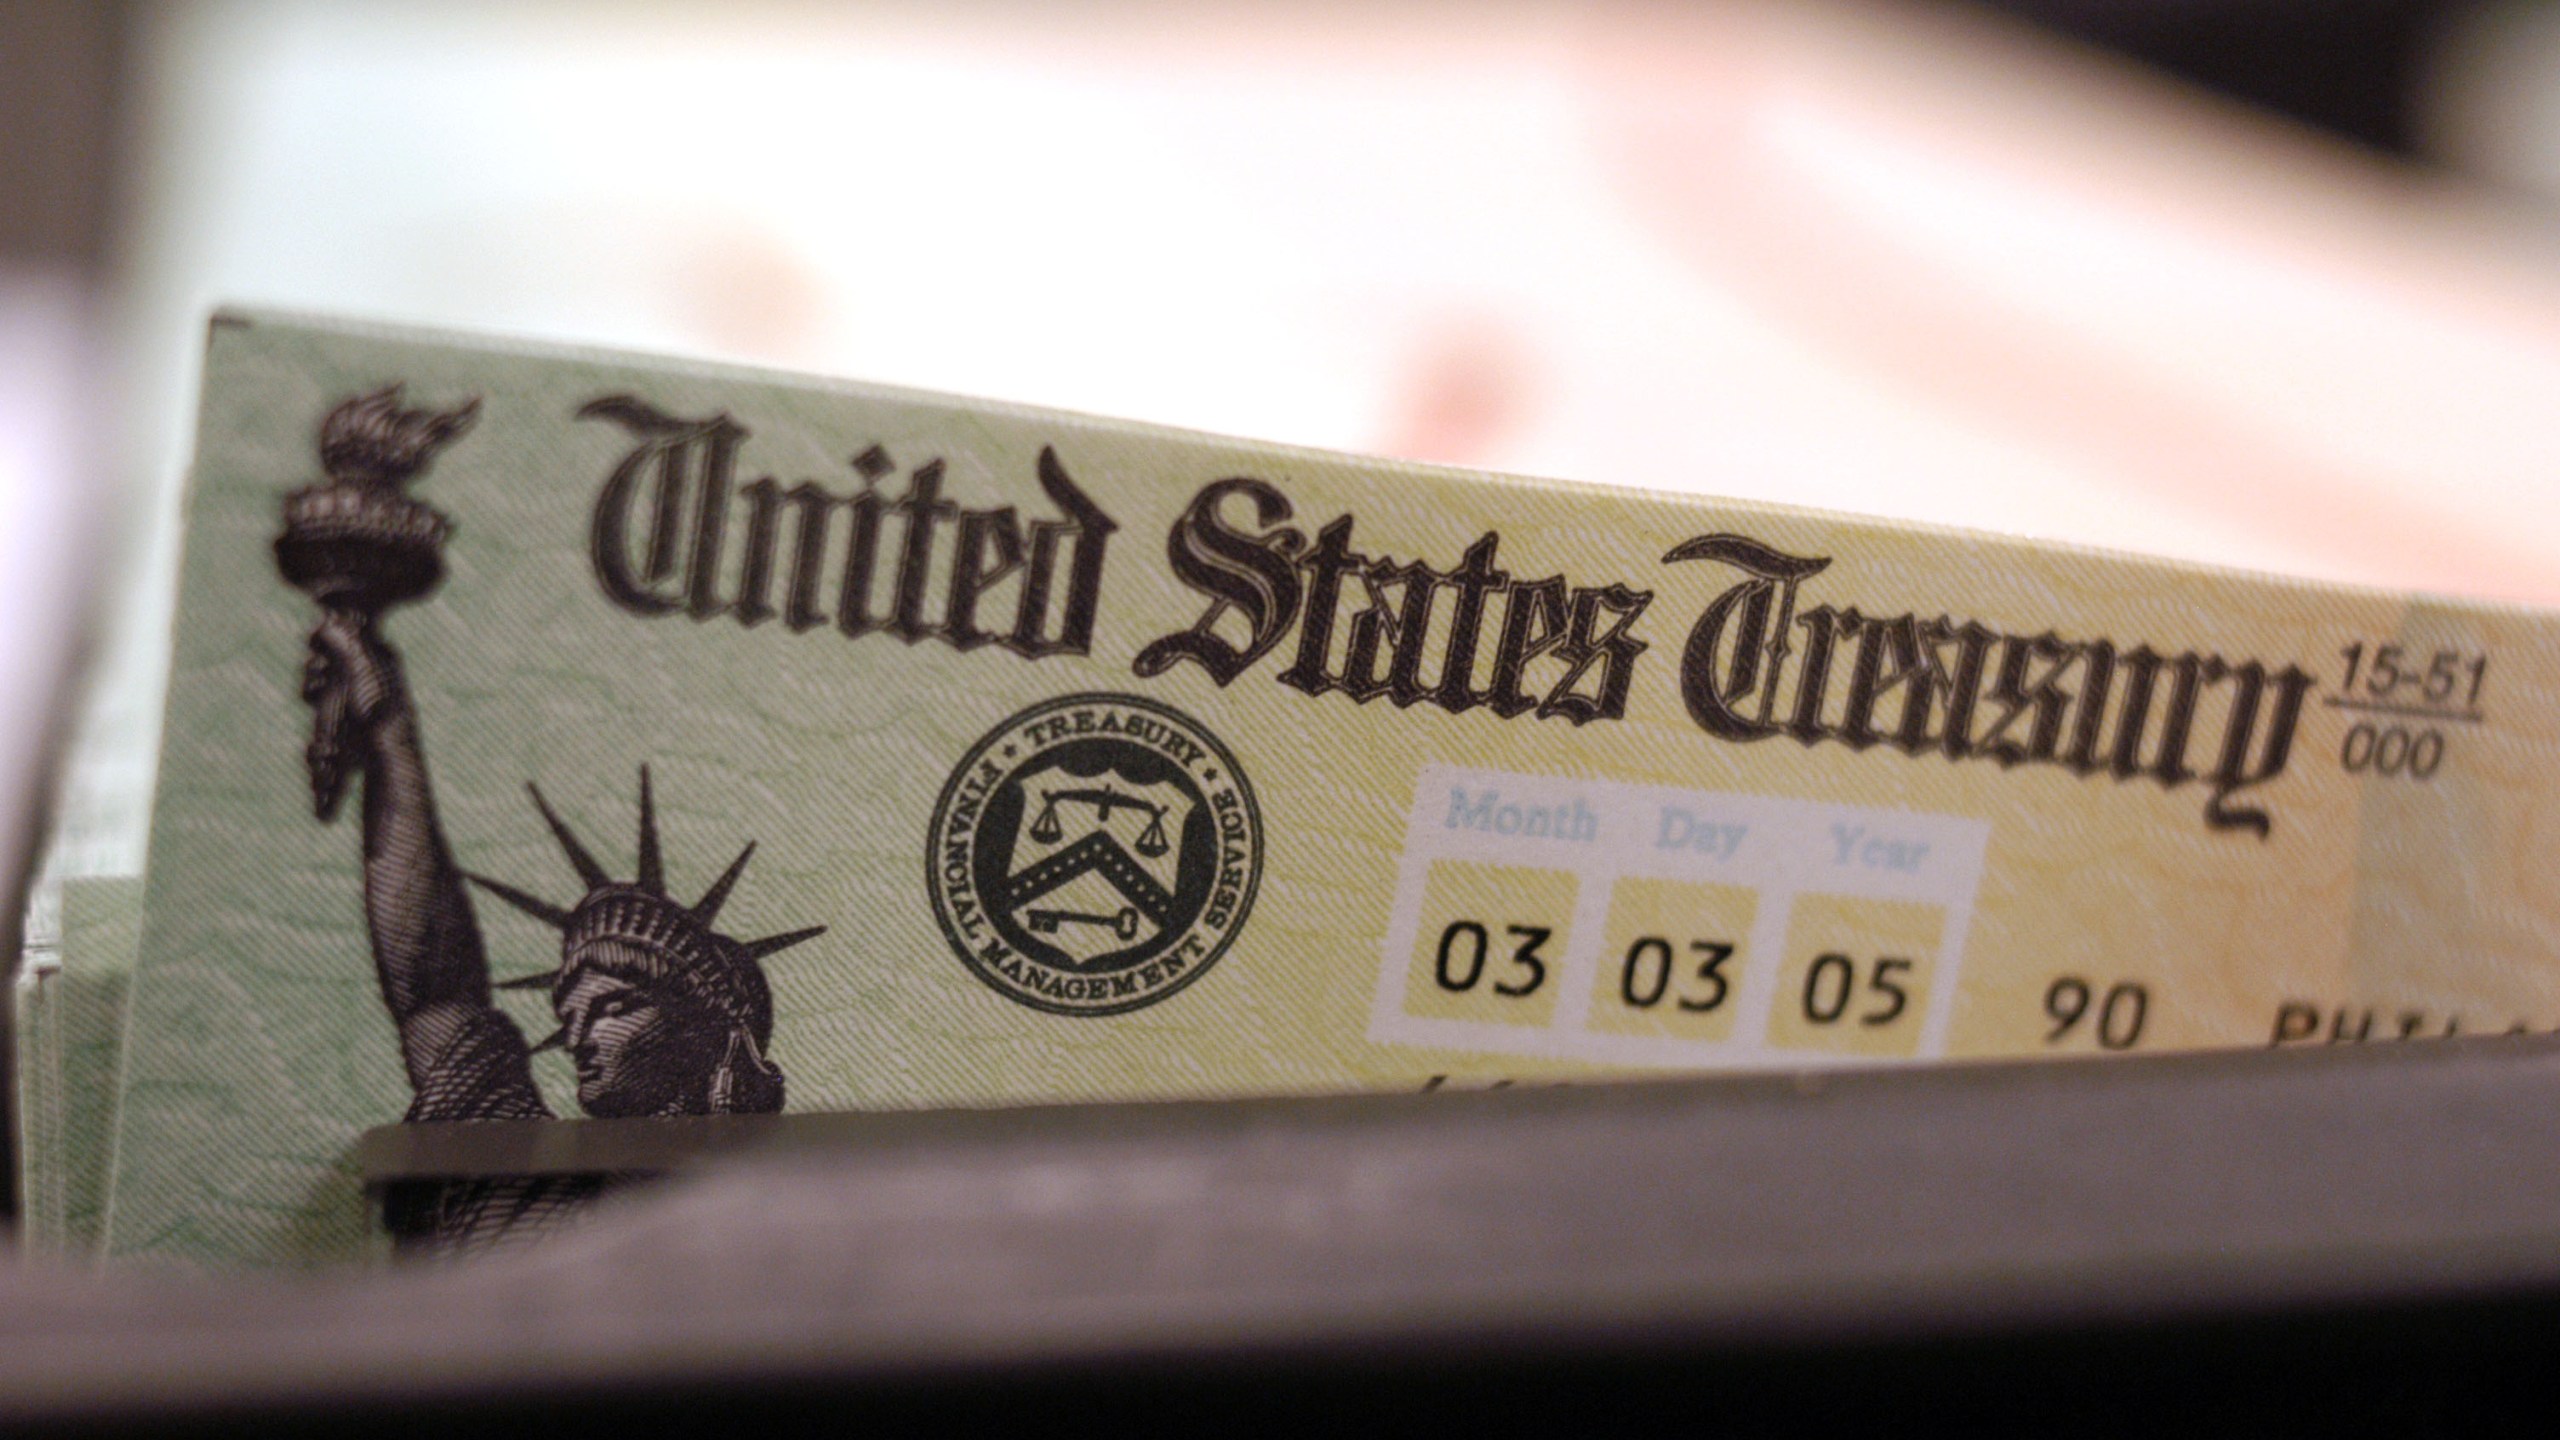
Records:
x=707, y=909
x=540, y=909
x=773, y=944
x=543, y=981
x=556, y=1040
x=653, y=875
x=588, y=869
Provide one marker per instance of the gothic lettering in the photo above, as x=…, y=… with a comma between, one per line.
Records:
x=1963, y=691
x=674, y=530
x=1377, y=627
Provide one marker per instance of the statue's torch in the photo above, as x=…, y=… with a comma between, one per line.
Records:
x=358, y=545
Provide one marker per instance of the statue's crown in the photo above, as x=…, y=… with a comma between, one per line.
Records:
x=656, y=942
x=370, y=440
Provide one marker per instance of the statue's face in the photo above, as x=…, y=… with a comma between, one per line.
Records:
x=637, y=1052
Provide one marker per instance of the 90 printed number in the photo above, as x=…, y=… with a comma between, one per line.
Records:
x=2116, y=1014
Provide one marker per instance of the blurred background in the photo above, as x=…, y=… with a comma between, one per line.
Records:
x=2262, y=282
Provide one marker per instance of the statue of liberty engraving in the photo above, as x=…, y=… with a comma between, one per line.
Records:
x=661, y=1013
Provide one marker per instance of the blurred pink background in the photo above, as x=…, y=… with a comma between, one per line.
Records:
x=1915, y=261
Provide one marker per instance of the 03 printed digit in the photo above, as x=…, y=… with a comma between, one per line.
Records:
x=1489, y=942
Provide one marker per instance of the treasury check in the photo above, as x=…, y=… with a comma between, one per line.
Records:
x=558, y=733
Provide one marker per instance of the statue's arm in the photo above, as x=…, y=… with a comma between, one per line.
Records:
x=427, y=954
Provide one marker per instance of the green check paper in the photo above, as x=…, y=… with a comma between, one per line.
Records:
x=554, y=734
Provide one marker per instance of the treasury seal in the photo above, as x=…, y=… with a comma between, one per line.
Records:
x=1094, y=854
